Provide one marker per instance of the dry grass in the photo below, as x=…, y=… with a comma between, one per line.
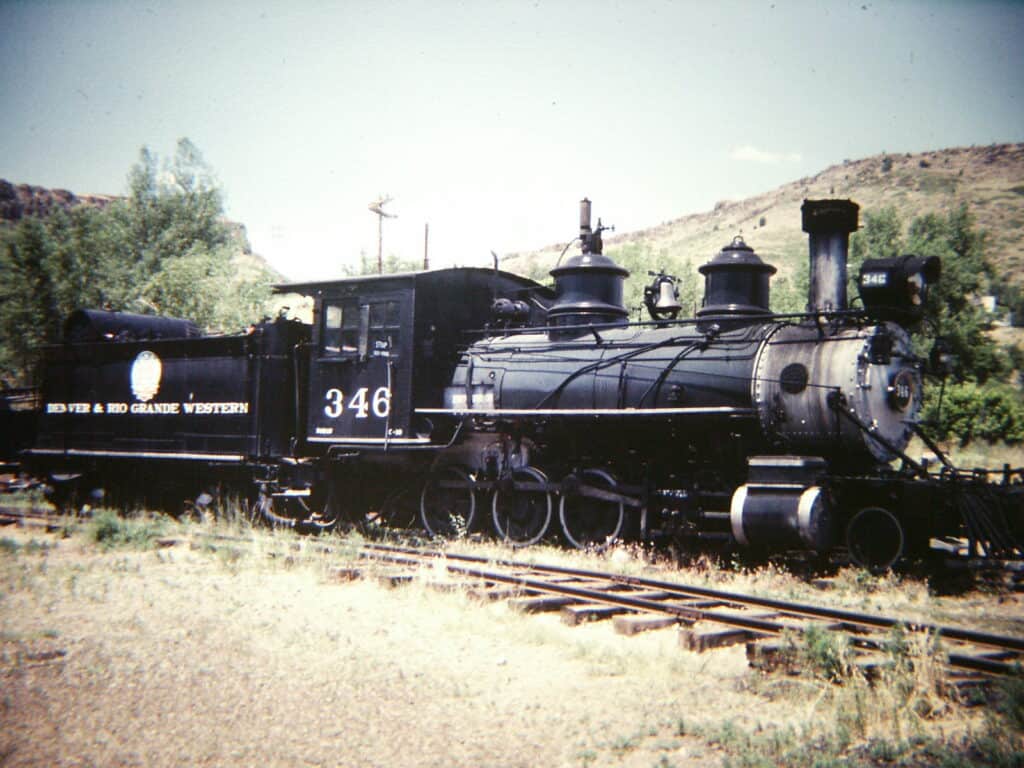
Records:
x=218, y=652
x=975, y=454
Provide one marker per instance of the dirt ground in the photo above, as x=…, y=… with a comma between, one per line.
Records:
x=220, y=655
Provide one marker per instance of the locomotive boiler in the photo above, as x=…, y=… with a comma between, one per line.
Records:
x=737, y=424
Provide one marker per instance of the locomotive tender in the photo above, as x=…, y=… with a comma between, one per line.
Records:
x=469, y=396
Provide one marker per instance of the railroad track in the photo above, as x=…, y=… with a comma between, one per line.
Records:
x=10, y=515
x=705, y=618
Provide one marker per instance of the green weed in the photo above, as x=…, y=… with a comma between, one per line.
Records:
x=1010, y=704
x=9, y=546
x=624, y=744
x=231, y=558
x=1001, y=742
x=827, y=654
x=32, y=547
x=873, y=716
x=801, y=748
x=36, y=547
x=111, y=531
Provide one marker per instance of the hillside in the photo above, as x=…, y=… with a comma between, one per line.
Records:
x=989, y=179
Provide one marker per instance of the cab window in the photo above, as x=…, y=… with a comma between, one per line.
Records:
x=384, y=325
x=340, y=333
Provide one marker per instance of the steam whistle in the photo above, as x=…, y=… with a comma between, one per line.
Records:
x=590, y=240
x=584, y=217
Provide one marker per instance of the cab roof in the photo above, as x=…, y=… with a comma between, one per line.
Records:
x=506, y=280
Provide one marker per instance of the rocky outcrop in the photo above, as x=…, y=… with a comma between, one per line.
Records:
x=20, y=200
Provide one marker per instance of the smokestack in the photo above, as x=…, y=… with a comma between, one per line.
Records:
x=829, y=224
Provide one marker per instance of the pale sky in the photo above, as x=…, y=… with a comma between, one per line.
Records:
x=490, y=120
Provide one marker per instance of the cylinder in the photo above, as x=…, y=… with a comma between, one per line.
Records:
x=828, y=224
x=781, y=517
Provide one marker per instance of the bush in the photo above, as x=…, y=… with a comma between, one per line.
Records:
x=111, y=531
x=825, y=654
x=9, y=546
x=991, y=411
x=1001, y=742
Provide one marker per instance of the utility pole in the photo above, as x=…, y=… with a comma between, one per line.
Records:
x=377, y=206
x=426, y=240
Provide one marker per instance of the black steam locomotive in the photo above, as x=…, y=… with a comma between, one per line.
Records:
x=469, y=398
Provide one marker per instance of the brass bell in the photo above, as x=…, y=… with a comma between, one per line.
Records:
x=661, y=297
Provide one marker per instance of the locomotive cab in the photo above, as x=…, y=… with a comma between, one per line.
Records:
x=372, y=333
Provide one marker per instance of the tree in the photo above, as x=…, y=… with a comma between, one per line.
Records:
x=975, y=402
x=201, y=286
x=27, y=296
x=880, y=237
x=168, y=214
x=163, y=248
x=953, y=311
x=993, y=411
x=392, y=264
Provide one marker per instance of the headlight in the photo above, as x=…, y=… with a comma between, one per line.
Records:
x=896, y=289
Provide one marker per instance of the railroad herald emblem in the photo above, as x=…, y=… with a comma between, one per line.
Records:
x=145, y=376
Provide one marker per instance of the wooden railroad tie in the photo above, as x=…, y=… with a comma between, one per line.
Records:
x=574, y=614
x=703, y=623
x=699, y=641
x=346, y=573
x=492, y=592
x=541, y=604
x=580, y=613
x=705, y=638
x=393, y=578
x=635, y=623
